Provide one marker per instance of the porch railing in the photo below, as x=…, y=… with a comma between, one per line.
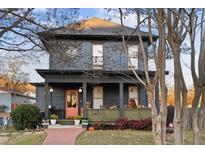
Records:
x=111, y=115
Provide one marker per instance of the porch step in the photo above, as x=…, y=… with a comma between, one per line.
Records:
x=64, y=126
x=65, y=121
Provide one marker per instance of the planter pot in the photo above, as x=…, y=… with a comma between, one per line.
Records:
x=77, y=122
x=91, y=129
x=53, y=121
x=84, y=123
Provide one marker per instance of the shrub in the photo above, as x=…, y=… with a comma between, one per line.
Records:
x=122, y=123
x=77, y=117
x=142, y=124
x=26, y=116
x=54, y=116
x=103, y=126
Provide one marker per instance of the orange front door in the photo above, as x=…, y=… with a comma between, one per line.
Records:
x=71, y=103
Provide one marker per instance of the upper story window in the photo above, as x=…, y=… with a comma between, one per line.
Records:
x=97, y=56
x=133, y=56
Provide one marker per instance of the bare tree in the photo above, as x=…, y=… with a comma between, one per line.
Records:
x=192, y=26
x=159, y=53
x=176, y=35
x=19, y=29
x=14, y=75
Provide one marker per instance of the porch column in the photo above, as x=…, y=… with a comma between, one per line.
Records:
x=84, y=99
x=121, y=99
x=46, y=100
x=157, y=96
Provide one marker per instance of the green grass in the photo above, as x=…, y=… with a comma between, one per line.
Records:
x=22, y=138
x=9, y=129
x=189, y=137
x=127, y=137
x=33, y=138
x=116, y=137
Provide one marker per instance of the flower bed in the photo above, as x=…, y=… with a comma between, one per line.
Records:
x=124, y=123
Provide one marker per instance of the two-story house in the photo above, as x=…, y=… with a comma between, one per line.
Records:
x=89, y=73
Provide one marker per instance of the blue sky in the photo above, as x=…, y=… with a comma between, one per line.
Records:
x=87, y=13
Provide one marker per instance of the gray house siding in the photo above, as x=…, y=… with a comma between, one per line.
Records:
x=58, y=59
x=143, y=99
x=115, y=58
x=58, y=101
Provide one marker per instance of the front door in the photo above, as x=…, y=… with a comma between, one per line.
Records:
x=71, y=103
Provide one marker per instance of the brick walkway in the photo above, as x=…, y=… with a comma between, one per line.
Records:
x=62, y=136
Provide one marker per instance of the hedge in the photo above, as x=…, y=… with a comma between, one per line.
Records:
x=26, y=116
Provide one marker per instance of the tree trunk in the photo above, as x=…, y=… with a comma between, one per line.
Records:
x=156, y=119
x=177, y=96
x=162, y=57
x=184, y=111
x=196, y=138
x=202, y=111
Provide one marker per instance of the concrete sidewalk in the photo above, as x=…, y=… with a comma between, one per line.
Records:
x=62, y=136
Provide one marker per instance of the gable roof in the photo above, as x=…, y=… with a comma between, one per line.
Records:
x=95, y=27
x=15, y=93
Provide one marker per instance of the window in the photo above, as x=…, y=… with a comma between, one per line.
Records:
x=133, y=56
x=97, y=97
x=133, y=97
x=97, y=56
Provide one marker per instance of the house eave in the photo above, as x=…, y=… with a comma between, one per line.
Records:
x=44, y=72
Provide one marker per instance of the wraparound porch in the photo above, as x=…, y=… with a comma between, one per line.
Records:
x=115, y=100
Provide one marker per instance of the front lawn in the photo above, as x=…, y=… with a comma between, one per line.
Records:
x=117, y=137
x=12, y=137
x=9, y=129
x=126, y=137
x=29, y=138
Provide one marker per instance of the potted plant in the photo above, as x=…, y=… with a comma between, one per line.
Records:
x=53, y=118
x=77, y=120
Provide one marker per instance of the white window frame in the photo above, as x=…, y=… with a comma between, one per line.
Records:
x=97, y=60
x=134, y=94
x=133, y=57
x=98, y=97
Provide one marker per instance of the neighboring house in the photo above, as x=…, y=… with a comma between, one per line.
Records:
x=11, y=100
x=89, y=73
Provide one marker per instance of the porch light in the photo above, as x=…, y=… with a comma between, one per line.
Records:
x=49, y=106
x=80, y=90
x=51, y=90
